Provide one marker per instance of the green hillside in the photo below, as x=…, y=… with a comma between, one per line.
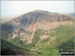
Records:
x=59, y=39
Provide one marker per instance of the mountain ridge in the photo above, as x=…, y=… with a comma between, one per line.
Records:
x=33, y=16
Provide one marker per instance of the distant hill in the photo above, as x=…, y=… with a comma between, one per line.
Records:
x=72, y=14
x=3, y=20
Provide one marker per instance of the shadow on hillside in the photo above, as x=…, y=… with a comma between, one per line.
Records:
x=8, y=48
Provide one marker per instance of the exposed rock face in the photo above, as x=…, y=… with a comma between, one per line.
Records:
x=27, y=24
x=43, y=37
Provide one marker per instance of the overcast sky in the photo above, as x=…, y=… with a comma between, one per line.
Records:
x=16, y=8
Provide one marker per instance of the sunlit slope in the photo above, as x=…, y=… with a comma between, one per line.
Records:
x=58, y=38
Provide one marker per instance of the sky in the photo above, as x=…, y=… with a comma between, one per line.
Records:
x=16, y=8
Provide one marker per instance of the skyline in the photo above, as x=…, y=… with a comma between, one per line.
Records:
x=16, y=8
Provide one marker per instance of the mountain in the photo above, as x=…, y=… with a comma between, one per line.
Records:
x=40, y=31
x=30, y=22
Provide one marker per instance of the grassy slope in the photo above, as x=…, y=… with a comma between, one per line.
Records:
x=63, y=36
x=63, y=40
